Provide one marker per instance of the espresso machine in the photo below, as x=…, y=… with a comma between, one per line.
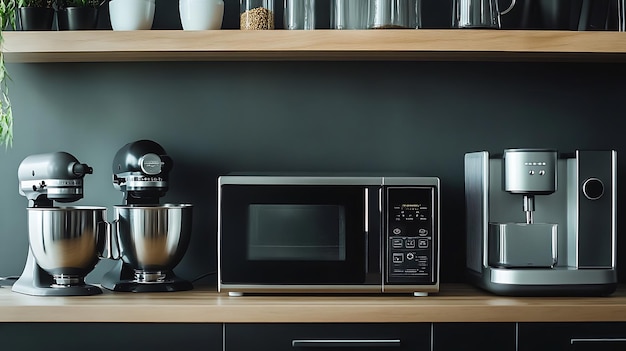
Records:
x=541, y=222
x=65, y=243
x=148, y=239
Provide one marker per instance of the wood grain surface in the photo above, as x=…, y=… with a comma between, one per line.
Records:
x=426, y=44
x=455, y=303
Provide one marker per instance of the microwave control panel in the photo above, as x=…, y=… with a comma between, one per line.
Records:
x=411, y=236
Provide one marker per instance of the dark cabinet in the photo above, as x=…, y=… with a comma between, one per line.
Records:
x=474, y=336
x=572, y=336
x=327, y=337
x=110, y=336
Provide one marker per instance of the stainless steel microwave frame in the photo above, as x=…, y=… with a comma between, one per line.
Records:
x=392, y=240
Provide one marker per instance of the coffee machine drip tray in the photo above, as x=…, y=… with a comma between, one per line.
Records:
x=565, y=276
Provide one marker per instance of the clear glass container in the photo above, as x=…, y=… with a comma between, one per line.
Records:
x=621, y=15
x=299, y=14
x=394, y=14
x=256, y=14
x=348, y=14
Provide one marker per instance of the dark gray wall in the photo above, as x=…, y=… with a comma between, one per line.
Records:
x=218, y=117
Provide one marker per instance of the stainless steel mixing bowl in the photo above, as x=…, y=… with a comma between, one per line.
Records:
x=153, y=238
x=67, y=240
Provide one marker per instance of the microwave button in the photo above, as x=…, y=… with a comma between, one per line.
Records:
x=398, y=257
x=397, y=231
x=422, y=232
x=410, y=243
x=422, y=243
x=396, y=243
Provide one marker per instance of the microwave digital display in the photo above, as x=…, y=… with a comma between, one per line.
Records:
x=296, y=232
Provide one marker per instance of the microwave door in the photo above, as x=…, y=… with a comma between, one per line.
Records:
x=293, y=235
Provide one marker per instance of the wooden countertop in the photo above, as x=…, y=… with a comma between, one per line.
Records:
x=455, y=303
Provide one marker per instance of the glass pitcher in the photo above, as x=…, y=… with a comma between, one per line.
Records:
x=478, y=13
x=394, y=14
x=348, y=14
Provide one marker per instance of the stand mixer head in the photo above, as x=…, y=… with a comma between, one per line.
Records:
x=141, y=172
x=150, y=238
x=51, y=177
x=64, y=242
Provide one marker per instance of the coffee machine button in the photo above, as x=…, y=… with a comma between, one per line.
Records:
x=593, y=188
x=531, y=172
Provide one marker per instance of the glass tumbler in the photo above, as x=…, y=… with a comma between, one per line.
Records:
x=621, y=5
x=348, y=14
x=256, y=14
x=394, y=14
x=299, y=14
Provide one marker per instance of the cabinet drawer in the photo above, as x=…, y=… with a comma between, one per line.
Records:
x=110, y=336
x=327, y=337
x=572, y=336
x=474, y=336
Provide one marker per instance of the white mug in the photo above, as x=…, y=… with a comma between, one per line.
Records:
x=131, y=14
x=201, y=14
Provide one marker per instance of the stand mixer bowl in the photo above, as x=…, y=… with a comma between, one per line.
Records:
x=67, y=241
x=153, y=238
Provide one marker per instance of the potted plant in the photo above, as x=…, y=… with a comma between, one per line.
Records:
x=7, y=20
x=36, y=14
x=78, y=14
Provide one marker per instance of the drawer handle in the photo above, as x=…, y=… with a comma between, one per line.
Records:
x=580, y=341
x=346, y=343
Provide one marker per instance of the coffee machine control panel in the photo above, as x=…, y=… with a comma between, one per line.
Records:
x=411, y=235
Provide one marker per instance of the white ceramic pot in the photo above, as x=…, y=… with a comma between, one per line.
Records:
x=201, y=14
x=131, y=14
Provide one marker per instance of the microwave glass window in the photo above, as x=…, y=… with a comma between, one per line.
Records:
x=291, y=232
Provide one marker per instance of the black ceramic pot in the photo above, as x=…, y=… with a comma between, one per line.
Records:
x=36, y=18
x=77, y=18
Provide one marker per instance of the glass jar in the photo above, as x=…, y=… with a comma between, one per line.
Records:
x=348, y=14
x=394, y=14
x=256, y=14
x=299, y=14
x=621, y=15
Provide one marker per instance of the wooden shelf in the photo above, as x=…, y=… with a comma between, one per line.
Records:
x=455, y=303
x=318, y=45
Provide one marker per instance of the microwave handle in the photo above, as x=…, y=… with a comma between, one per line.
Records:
x=348, y=343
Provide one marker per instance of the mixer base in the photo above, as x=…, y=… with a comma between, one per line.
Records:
x=28, y=288
x=37, y=282
x=122, y=278
x=133, y=286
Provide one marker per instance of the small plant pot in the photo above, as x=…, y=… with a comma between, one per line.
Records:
x=131, y=14
x=201, y=14
x=36, y=18
x=77, y=18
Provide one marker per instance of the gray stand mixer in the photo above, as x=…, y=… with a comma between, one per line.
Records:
x=65, y=243
x=150, y=238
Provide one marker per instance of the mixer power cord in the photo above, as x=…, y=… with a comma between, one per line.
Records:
x=12, y=277
x=204, y=276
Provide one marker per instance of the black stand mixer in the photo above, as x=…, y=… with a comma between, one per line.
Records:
x=65, y=243
x=150, y=238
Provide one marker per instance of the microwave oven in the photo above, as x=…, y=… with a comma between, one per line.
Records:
x=328, y=234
